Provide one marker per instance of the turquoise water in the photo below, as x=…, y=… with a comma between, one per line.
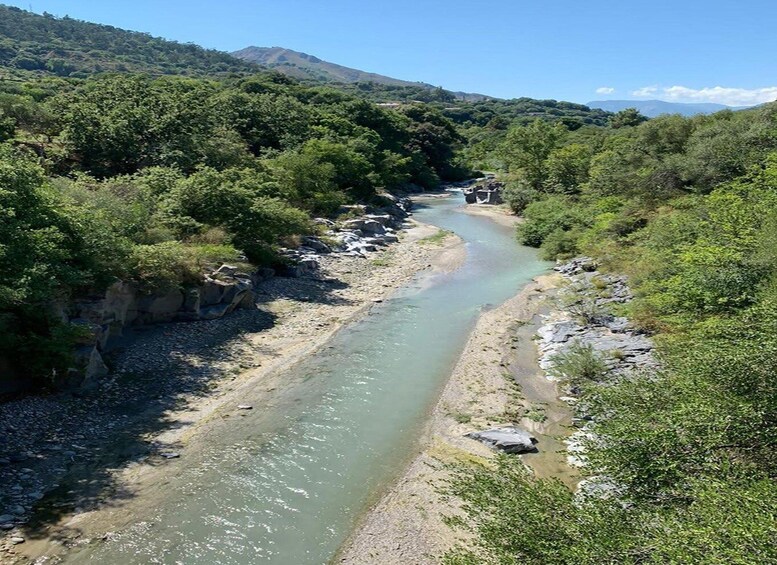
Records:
x=285, y=483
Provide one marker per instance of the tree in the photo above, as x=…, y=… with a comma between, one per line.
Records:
x=527, y=149
x=628, y=117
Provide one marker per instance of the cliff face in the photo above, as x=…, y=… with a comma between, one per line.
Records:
x=101, y=318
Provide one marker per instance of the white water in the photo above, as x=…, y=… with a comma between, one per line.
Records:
x=285, y=483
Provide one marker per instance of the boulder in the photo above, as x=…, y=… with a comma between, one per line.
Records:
x=373, y=227
x=508, y=439
x=383, y=219
x=211, y=291
x=316, y=244
x=226, y=270
x=160, y=307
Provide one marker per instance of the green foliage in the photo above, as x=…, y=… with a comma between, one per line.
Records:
x=687, y=208
x=163, y=266
x=544, y=217
x=629, y=117
x=71, y=48
x=517, y=519
x=527, y=148
x=578, y=363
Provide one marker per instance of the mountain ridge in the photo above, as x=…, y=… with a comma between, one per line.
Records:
x=306, y=67
x=653, y=108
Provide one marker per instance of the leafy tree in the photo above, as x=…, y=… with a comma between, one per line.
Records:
x=628, y=117
x=527, y=149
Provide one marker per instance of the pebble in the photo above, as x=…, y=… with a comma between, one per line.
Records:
x=244, y=407
x=17, y=540
x=7, y=518
x=170, y=455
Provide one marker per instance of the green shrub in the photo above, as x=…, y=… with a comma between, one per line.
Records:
x=579, y=362
x=545, y=216
x=164, y=266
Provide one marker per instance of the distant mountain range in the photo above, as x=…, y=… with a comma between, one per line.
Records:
x=653, y=108
x=310, y=68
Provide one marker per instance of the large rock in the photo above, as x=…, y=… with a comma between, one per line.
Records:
x=373, y=227
x=160, y=307
x=508, y=439
x=316, y=244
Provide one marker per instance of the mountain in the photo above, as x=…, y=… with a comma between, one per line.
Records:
x=310, y=68
x=653, y=108
x=35, y=44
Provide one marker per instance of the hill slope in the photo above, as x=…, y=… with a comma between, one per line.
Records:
x=653, y=108
x=43, y=44
x=310, y=68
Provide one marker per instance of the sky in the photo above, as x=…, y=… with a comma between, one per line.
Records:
x=578, y=50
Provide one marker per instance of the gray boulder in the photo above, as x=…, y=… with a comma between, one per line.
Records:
x=373, y=227
x=508, y=439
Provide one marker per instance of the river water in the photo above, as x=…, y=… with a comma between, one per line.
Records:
x=286, y=482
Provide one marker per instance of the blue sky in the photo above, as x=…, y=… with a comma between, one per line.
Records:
x=681, y=50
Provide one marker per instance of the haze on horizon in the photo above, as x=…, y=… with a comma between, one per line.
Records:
x=700, y=51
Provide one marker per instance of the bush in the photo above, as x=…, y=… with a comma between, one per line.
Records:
x=578, y=363
x=560, y=244
x=163, y=266
x=545, y=216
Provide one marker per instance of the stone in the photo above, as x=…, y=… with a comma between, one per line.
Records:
x=6, y=518
x=373, y=227
x=161, y=307
x=226, y=270
x=508, y=439
x=215, y=311
x=244, y=407
x=316, y=244
x=170, y=455
x=191, y=301
x=211, y=291
x=16, y=540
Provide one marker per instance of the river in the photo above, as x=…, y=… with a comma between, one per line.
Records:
x=286, y=482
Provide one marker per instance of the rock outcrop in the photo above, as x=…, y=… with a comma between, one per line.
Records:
x=101, y=318
x=359, y=236
x=486, y=192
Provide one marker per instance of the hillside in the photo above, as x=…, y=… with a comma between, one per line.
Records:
x=33, y=44
x=310, y=68
x=653, y=108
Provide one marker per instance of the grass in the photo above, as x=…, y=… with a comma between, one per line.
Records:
x=535, y=413
x=437, y=238
x=461, y=417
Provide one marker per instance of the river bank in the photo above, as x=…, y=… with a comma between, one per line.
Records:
x=74, y=454
x=407, y=524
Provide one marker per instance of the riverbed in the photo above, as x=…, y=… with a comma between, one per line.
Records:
x=286, y=481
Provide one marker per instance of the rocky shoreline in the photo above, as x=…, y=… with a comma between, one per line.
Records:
x=65, y=454
x=553, y=313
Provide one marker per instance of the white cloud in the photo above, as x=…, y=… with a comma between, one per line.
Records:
x=646, y=91
x=605, y=90
x=717, y=94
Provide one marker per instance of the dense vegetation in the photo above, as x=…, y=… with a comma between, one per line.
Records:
x=34, y=44
x=688, y=208
x=150, y=179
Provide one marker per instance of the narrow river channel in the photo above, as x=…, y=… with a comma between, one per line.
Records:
x=285, y=483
